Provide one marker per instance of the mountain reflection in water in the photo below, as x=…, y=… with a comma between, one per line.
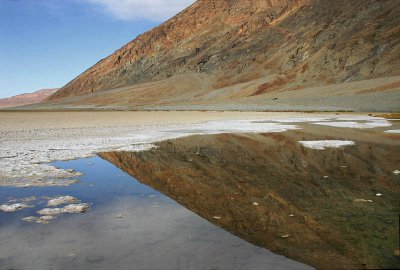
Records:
x=316, y=206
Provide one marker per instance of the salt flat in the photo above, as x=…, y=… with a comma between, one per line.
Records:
x=30, y=140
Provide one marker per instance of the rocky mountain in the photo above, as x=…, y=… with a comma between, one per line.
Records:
x=254, y=52
x=25, y=99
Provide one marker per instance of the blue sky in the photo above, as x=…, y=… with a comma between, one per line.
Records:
x=46, y=43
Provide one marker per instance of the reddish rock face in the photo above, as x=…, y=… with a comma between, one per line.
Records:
x=26, y=99
x=272, y=45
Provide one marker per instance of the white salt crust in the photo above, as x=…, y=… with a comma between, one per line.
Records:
x=352, y=124
x=322, y=145
x=62, y=200
x=24, y=162
x=25, y=154
x=393, y=131
x=70, y=209
x=13, y=207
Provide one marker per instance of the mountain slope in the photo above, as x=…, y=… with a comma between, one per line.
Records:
x=25, y=99
x=241, y=49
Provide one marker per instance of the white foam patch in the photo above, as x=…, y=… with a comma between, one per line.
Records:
x=393, y=131
x=321, y=145
x=352, y=124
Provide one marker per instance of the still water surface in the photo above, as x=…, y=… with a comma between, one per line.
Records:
x=129, y=226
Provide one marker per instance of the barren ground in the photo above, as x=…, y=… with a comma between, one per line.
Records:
x=30, y=140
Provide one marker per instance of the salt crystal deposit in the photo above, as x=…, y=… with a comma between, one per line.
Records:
x=321, y=145
x=393, y=131
x=13, y=207
x=25, y=152
x=62, y=200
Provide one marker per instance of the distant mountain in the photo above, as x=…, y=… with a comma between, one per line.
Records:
x=255, y=52
x=25, y=99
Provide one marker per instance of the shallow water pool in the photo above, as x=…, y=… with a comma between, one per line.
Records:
x=129, y=226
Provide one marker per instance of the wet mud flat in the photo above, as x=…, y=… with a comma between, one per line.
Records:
x=331, y=208
x=129, y=225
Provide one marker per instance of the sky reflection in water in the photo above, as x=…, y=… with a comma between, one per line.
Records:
x=154, y=232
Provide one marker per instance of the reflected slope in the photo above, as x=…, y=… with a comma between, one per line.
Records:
x=316, y=206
